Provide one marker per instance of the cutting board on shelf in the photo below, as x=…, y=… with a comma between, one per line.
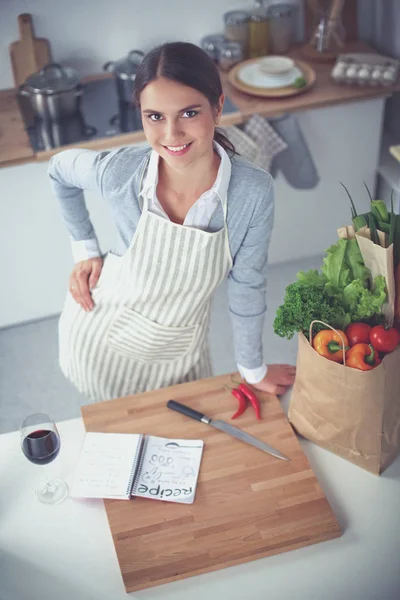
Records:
x=29, y=54
x=248, y=504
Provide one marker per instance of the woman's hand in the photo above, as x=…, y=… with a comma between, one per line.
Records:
x=83, y=278
x=277, y=379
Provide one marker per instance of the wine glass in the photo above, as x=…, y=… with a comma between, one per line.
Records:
x=40, y=442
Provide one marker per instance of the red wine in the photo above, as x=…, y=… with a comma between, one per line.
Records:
x=41, y=447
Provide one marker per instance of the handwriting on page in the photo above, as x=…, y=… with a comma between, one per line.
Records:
x=105, y=464
x=169, y=469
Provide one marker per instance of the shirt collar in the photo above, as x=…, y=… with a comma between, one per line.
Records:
x=219, y=187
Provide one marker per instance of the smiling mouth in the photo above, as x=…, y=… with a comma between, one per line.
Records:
x=177, y=148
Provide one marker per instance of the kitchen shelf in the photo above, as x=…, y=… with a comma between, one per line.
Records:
x=15, y=148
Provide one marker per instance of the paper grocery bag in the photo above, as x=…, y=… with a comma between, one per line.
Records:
x=379, y=261
x=355, y=414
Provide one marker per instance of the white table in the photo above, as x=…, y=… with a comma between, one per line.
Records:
x=66, y=551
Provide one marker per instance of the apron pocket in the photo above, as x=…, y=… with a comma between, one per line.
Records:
x=143, y=340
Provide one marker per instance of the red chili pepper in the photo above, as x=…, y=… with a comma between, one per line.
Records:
x=252, y=397
x=242, y=403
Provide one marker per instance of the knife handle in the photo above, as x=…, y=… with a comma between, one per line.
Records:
x=187, y=411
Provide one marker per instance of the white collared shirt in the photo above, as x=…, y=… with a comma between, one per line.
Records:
x=198, y=216
x=200, y=213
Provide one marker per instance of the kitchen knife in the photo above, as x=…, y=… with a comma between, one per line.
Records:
x=226, y=428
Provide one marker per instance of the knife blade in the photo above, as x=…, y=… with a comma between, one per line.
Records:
x=239, y=434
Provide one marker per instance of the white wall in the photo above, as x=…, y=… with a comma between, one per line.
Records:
x=34, y=244
x=87, y=33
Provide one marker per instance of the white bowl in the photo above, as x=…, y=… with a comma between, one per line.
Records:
x=251, y=75
x=276, y=65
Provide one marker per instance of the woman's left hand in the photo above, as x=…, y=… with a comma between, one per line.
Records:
x=277, y=379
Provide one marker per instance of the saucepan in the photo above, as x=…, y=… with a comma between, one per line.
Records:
x=125, y=71
x=54, y=92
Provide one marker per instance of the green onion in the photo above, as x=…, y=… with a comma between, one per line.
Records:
x=374, y=233
x=369, y=193
x=353, y=208
x=392, y=232
x=380, y=211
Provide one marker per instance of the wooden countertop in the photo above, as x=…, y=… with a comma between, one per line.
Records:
x=15, y=147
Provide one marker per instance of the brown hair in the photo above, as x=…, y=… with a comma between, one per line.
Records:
x=187, y=64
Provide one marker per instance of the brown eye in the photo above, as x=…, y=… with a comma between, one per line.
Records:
x=189, y=114
x=155, y=117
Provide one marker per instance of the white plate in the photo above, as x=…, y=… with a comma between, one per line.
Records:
x=252, y=75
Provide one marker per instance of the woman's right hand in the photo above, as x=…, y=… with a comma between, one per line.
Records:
x=83, y=278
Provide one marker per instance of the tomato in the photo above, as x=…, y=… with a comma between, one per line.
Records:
x=384, y=340
x=358, y=333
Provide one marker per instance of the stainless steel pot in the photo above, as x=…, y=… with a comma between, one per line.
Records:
x=70, y=130
x=128, y=118
x=125, y=74
x=54, y=92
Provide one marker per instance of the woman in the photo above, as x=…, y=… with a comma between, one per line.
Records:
x=188, y=213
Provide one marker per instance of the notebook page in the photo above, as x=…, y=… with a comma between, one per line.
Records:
x=169, y=470
x=105, y=465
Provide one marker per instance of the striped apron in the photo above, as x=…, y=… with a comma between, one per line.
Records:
x=148, y=328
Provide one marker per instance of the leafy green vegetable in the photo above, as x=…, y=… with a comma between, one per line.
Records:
x=369, y=193
x=344, y=263
x=339, y=295
x=358, y=220
x=356, y=262
x=379, y=210
x=302, y=304
x=300, y=82
x=335, y=266
x=312, y=277
x=361, y=303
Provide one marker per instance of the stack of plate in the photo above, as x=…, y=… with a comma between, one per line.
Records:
x=271, y=76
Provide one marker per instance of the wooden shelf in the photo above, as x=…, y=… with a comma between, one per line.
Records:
x=325, y=91
x=15, y=147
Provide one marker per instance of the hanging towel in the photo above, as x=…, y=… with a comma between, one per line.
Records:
x=257, y=141
x=269, y=143
x=244, y=145
x=296, y=162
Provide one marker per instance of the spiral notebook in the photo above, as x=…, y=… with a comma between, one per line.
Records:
x=126, y=465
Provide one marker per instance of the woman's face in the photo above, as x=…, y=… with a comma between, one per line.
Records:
x=178, y=121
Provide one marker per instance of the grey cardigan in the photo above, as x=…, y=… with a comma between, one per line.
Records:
x=116, y=176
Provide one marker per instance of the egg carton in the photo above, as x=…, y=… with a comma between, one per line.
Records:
x=365, y=69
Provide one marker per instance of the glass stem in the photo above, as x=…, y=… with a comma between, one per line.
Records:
x=49, y=487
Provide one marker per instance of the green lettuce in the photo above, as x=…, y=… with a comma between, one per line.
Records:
x=341, y=294
x=344, y=263
x=362, y=303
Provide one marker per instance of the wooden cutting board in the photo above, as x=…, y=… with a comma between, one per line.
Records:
x=248, y=504
x=29, y=54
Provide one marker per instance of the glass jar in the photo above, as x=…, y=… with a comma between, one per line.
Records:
x=258, y=31
x=281, y=27
x=212, y=44
x=230, y=54
x=237, y=29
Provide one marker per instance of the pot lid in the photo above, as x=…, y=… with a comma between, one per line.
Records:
x=53, y=78
x=127, y=67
